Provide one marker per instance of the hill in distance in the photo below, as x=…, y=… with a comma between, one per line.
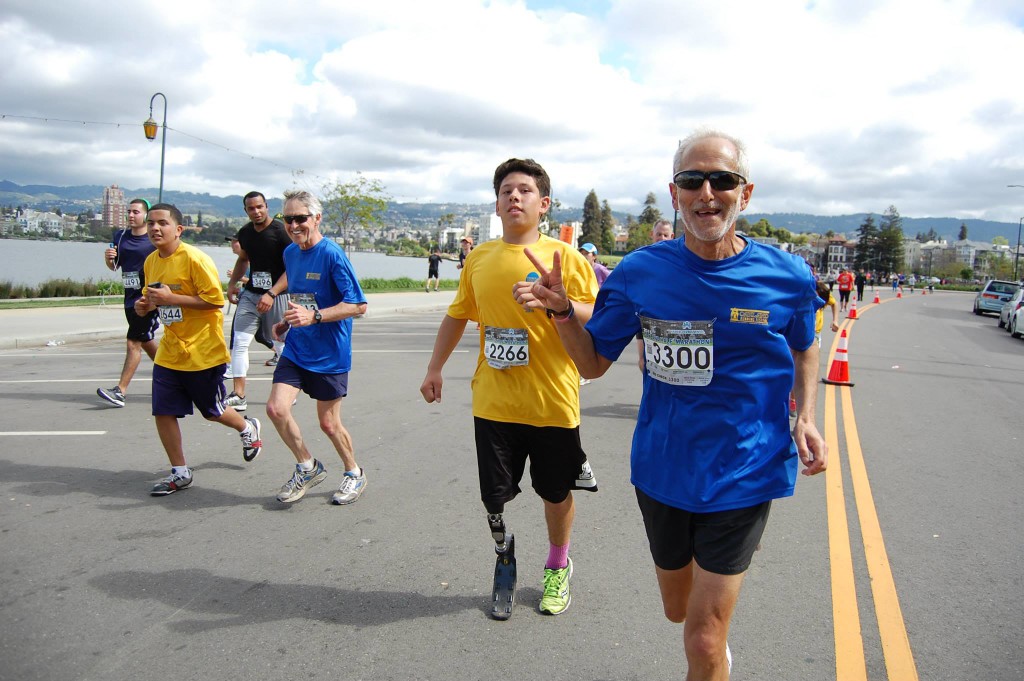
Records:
x=425, y=215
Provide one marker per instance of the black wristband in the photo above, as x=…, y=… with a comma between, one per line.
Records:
x=271, y=294
x=561, y=316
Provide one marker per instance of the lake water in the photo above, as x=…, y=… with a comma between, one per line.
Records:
x=30, y=263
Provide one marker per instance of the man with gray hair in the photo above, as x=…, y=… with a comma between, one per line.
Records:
x=317, y=356
x=661, y=231
x=728, y=326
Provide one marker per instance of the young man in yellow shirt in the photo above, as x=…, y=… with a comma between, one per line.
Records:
x=183, y=286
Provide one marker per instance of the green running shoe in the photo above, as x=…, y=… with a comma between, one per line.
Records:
x=556, y=596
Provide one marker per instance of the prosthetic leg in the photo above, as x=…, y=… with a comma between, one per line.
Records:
x=504, y=590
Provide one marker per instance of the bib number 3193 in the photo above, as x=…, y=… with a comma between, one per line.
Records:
x=505, y=348
x=679, y=352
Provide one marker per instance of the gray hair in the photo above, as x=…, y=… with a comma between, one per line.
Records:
x=311, y=203
x=701, y=134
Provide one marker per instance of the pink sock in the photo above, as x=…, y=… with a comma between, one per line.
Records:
x=558, y=557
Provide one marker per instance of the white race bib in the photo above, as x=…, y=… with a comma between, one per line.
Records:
x=170, y=314
x=679, y=353
x=261, y=280
x=131, y=280
x=505, y=348
x=306, y=300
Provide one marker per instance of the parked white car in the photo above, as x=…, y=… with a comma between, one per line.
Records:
x=1009, y=307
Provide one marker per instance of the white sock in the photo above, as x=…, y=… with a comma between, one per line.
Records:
x=307, y=466
x=181, y=471
x=357, y=471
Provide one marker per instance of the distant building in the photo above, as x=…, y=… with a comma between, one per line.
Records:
x=115, y=210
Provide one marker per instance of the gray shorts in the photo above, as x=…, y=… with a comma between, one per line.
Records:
x=247, y=320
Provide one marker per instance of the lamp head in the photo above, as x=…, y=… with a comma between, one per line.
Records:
x=150, y=127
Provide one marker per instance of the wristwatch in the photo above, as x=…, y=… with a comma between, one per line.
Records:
x=317, y=317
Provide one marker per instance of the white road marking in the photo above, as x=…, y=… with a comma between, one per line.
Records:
x=31, y=433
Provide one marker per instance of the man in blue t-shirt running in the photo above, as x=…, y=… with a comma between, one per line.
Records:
x=727, y=324
x=317, y=357
x=127, y=252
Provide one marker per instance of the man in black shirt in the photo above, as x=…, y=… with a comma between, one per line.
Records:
x=264, y=297
x=433, y=267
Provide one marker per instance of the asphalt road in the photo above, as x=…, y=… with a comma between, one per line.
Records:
x=100, y=581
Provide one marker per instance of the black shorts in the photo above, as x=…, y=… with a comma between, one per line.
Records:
x=555, y=454
x=142, y=329
x=321, y=387
x=722, y=542
x=432, y=274
x=844, y=296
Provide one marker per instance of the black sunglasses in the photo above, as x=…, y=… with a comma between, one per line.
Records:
x=721, y=180
x=301, y=219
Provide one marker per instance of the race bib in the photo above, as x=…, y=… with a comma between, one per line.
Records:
x=261, y=280
x=131, y=280
x=306, y=300
x=170, y=314
x=679, y=353
x=504, y=348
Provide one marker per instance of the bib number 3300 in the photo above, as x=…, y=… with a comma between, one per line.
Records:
x=505, y=348
x=679, y=352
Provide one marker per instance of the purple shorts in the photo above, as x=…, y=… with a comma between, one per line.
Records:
x=174, y=392
x=321, y=387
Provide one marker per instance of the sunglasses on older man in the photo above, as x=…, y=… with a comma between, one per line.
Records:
x=301, y=219
x=721, y=180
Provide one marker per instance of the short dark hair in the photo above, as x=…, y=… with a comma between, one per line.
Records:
x=144, y=202
x=253, y=195
x=171, y=208
x=527, y=166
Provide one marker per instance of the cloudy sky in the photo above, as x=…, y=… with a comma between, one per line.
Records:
x=845, y=106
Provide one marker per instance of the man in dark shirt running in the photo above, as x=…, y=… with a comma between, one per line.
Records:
x=262, y=242
x=128, y=252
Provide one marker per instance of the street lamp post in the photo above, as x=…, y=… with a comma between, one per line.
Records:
x=1016, y=253
x=150, y=127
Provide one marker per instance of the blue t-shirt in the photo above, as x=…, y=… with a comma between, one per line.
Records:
x=717, y=436
x=131, y=255
x=321, y=276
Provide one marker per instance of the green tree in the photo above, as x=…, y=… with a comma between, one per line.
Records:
x=890, y=241
x=591, y=229
x=637, y=234
x=1000, y=241
x=866, y=256
x=348, y=206
x=607, y=242
x=962, y=236
x=650, y=214
x=553, y=223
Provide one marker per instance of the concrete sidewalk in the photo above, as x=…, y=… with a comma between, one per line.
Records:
x=38, y=327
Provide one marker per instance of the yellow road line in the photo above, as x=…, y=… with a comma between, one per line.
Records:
x=899, y=659
x=850, y=664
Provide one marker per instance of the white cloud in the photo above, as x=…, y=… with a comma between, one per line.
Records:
x=846, y=107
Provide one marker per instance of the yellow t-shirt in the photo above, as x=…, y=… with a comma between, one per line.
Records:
x=819, y=316
x=546, y=390
x=193, y=340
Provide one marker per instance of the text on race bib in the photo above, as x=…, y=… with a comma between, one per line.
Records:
x=679, y=352
x=306, y=300
x=169, y=314
x=261, y=280
x=131, y=280
x=506, y=348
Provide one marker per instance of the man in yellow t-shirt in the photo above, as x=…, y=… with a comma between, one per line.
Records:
x=188, y=369
x=525, y=388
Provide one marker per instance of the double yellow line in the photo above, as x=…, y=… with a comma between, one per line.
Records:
x=850, y=660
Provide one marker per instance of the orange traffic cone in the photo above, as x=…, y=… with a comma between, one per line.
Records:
x=852, y=312
x=839, y=372
x=924, y=292
x=899, y=293
x=878, y=300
